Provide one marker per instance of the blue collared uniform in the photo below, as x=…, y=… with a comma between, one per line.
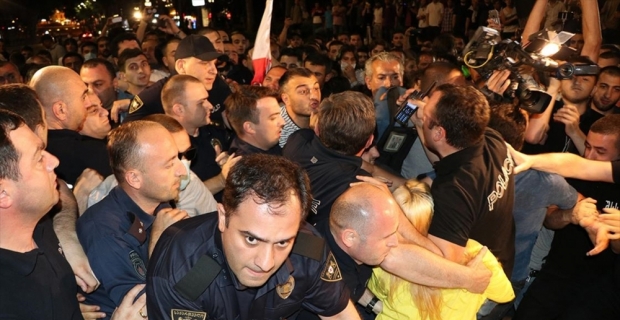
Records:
x=188, y=278
x=115, y=235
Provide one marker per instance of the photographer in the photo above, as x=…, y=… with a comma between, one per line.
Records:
x=563, y=132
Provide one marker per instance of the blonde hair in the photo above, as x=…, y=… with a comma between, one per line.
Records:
x=414, y=198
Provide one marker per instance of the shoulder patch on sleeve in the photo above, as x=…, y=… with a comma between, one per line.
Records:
x=138, y=264
x=136, y=103
x=177, y=314
x=331, y=272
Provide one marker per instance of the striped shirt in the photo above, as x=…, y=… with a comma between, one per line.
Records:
x=289, y=126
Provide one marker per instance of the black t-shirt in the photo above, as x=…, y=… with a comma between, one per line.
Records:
x=615, y=171
x=38, y=284
x=557, y=139
x=330, y=172
x=76, y=153
x=149, y=102
x=567, y=257
x=474, y=196
x=204, y=165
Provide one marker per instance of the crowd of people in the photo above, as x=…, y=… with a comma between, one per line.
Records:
x=154, y=173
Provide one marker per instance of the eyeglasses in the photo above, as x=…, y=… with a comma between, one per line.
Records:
x=188, y=154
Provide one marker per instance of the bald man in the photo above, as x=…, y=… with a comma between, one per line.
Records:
x=363, y=231
x=66, y=102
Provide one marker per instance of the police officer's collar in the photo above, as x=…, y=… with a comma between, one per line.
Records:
x=344, y=260
x=455, y=160
x=132, y=209
x=279, y=277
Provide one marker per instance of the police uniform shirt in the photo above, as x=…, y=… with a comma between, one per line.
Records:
x=204, y=165
x=242, y=148
x=474, y=197
x=330, y=172
x=149, y=102
x=38, y=284
x=188, y=278
x=76, y=153
x=115, y=235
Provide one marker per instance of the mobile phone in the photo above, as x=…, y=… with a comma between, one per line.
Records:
x=117, y=19
x=161, y=23
x=407, y=109
x=494, y=15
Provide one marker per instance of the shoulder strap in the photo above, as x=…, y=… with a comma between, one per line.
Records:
x=309, y=245
x=199, y=278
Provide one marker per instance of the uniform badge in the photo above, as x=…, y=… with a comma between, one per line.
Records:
x=138, y=264
x=331, y=272
x=177, y=314
x=136, y=103
x=285, y=290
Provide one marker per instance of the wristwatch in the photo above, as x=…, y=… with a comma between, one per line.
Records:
x=371, y=305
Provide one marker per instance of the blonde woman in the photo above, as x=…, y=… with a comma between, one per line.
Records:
x=405, y=300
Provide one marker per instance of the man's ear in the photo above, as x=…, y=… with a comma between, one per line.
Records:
x=348, y=237
x=221, y=216
x=178, y=109
x=134, y=178
x=369, y=141
x=6, y=200
x=285, y=97
x=179, y=66
x=60, y=110
x=248, y=127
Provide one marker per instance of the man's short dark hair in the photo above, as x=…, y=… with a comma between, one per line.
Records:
x=437, y=71
x=613, y=71
x=335, y=43
x=241, y=105
x=88, y=44
x=267, y=178
x=9, y=156
x=94, y=63
x=345, y=121
x=319, y=59
x=124, y=148
x=292, y=73
x=608, y=125
x=291, y=52
x=125, y=36
x=205, y=30
x=610, y=55
x=509, y=121
x=22, y=100
x=72, y=54
x=126, y=55
x=463, y=112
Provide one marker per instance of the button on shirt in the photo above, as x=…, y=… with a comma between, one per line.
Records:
x=183, y=244
x=115, y=235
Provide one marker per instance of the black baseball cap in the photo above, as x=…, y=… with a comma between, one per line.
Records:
x=198, y=47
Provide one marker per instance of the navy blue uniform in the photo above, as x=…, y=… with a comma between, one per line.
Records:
x=149, y=102
x=204, y=165
x=188, y=278
x=330, y=172
x=242, y=148
x=115, y=234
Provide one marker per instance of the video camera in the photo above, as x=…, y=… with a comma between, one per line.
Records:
x=486, y=53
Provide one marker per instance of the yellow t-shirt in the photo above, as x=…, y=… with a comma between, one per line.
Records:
x=457, y=304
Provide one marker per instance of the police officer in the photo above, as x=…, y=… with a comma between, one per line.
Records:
x=195, y=56
x=118, y=231
x=253, y=259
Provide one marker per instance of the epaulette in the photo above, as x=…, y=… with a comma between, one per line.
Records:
x=309, y=245
x=199, y=278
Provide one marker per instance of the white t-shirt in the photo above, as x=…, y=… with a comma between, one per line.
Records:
x=435, y=13
x=422, y=22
